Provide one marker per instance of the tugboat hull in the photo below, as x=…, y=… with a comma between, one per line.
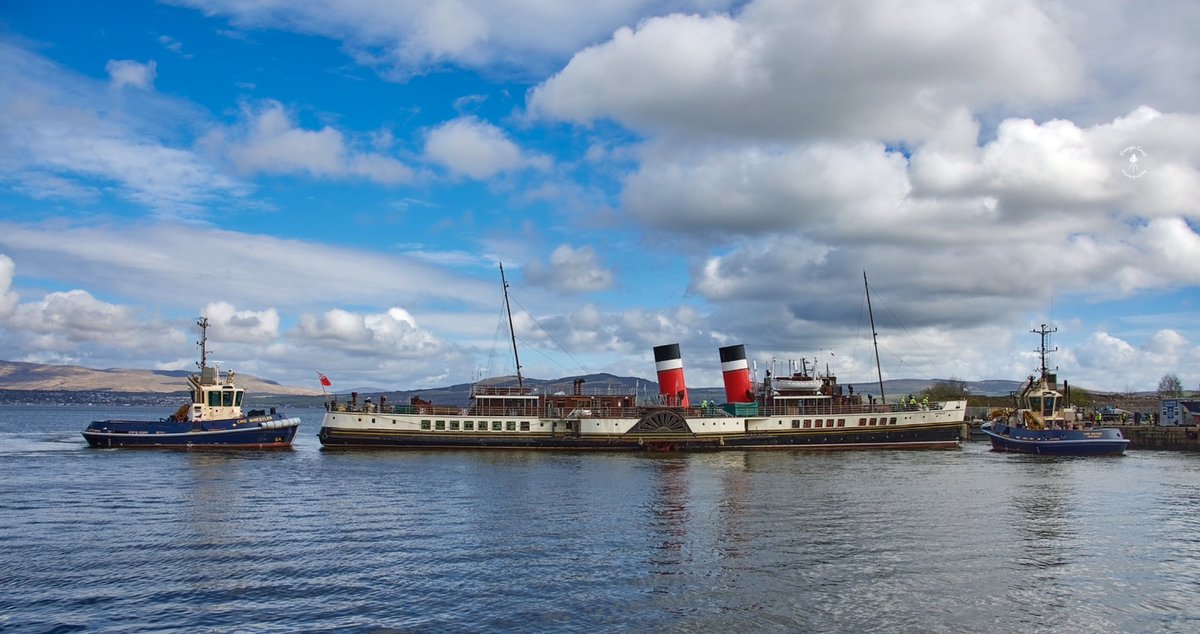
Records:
x=1056, y=442
x=261, y=432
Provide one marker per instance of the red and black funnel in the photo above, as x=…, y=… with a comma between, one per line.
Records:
x=668, y=362
x=736, y=373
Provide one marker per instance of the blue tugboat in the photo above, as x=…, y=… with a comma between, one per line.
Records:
x=1042, y=423
x=213, y=420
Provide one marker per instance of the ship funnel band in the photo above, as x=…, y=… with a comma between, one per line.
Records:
x=669, y=364
x=667, y=358
x=733, y=353
x=734, y=366
x=667, y=352
x=733, y=358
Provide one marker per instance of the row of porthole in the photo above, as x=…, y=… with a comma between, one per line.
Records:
x=841, y=422
x=469, y=425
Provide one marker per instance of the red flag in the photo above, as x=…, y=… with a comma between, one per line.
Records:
x=324, y=380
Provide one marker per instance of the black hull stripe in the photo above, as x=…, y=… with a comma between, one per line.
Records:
x=936, y=436
x=280, y=437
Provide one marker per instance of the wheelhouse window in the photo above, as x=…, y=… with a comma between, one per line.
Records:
x=238, y=397
x=227, y=398
x=214, y=399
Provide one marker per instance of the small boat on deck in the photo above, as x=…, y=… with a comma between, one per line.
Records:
x=212, y=420
x=1043, y=423
x=800, y=380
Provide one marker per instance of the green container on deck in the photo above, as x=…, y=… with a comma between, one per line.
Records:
x=740, y=409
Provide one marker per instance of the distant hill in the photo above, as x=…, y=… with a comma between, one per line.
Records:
x=15, y=375
x=460, y=394
x=600, y=383
x=34, y=377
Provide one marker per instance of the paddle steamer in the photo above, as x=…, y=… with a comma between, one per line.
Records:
x=799, y=411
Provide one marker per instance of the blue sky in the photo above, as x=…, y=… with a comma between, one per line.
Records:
x=333, y=186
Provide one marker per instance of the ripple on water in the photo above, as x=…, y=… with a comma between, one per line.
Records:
x=311, y=540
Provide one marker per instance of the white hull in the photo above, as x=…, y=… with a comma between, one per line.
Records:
x=402, y=429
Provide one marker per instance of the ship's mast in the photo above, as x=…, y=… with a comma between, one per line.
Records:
x=203, y=323
x=1044, y=332
x=511, y=331
x=874, y=339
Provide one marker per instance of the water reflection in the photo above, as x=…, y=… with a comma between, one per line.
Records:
x=670, y=513
x=733, y=507
x=1045, y=526
x=1041, y=540
x=213, y=495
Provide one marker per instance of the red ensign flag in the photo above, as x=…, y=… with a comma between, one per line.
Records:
x=324, y=380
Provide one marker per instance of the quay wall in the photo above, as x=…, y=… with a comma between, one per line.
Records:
x=1152, y=437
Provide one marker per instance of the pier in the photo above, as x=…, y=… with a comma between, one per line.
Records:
x=1159, y=437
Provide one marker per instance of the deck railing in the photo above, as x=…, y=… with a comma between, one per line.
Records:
x=536, y=409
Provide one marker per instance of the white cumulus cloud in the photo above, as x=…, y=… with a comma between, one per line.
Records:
x=55, y=327
x=8, y=298
x=393, y=332
x=470, y=146
x=127, y=72
x=247, y=326
x=812, y=69
x=411, y=38
x=269, y=141
x=571, y=270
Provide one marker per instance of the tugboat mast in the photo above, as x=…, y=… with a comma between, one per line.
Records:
x=511, y=330
x=1044, y=332
x=203, y=323
x=875, y=339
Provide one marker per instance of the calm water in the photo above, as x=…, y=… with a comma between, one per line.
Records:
x=949, y=541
